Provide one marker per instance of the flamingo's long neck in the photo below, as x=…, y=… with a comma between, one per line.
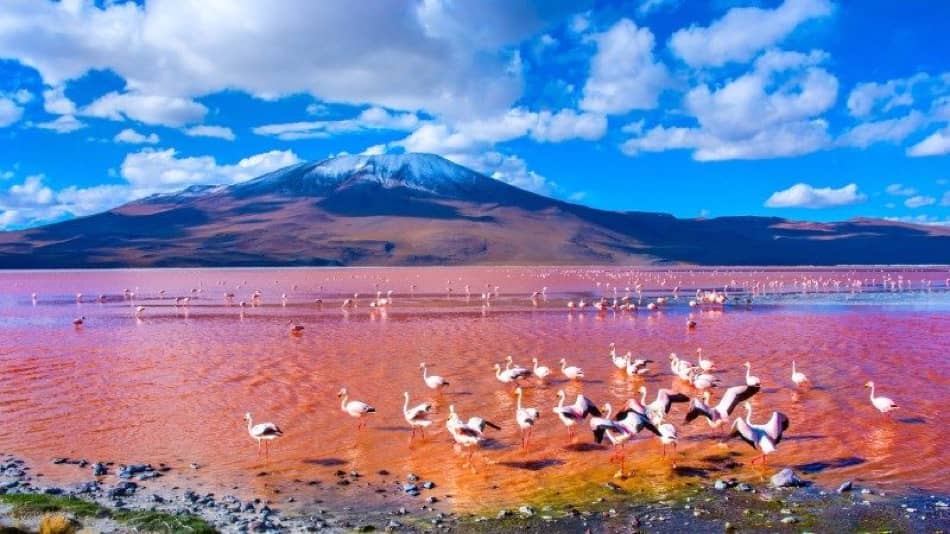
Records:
x=608, y=409
x=425, y=372
x=872, y=392
x=643, y=397
x=793, y=366
x=250, y=424
x=519, y=400
x=405, y=404
x=343, y=401
x=748, y=413
x=498, y=372
x=748, y=371
x=560, y=402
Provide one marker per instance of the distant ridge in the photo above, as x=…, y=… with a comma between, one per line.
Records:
x=421, y=209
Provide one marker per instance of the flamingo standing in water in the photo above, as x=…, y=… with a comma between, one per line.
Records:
x=750, y=379
x=510, y=375
x=763, y=438
x=295, y=329
x=355, y=408
x=575, y=413
x=883, y=404
x=526, y=418
x=571, y=372
x=467, y=433
x=262, y=432
x=719, y=414
x=417, y=416
x=798, y=377
x=540, y=371
x=78, y=321
x=435, y=382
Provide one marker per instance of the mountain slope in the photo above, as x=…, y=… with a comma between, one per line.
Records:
x=420, y=209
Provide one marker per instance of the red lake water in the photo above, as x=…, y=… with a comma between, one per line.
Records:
x=172, y=385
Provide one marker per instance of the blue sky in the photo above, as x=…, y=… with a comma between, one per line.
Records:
x=805, y=109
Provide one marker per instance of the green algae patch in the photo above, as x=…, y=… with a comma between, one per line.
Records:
x=35, y=504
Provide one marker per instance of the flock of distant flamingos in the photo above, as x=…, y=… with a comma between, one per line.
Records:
x=617, y=428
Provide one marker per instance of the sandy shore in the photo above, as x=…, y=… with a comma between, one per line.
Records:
x=130, y=498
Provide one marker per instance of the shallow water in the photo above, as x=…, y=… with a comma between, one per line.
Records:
x=173, y=386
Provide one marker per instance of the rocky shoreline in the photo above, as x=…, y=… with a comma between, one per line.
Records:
x=785, y=503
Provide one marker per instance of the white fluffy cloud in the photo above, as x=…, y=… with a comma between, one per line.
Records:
x=771, y=111
x=900, y=190
x=624, y=75
x=10, y=112
x=803, y=195
x=374, y=118
x=508, y=168
x=130, y=136
x=62, y=124
x=220, y=132
x=872, y=96
x=150, y=171
x=481, y=134
x=743, y=32
x=149, y=109
x=888, y=130
x=56, y=102
x=919, y=201
x=447, y=57
x=936, y=144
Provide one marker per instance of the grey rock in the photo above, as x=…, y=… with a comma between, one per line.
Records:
x=721, y=485
x=790, y=520
x=412, y=477
x=526, y=510
x=786, y=478
x=99, y=469
x=743, y=487
x=846, y=486
x=428, y=485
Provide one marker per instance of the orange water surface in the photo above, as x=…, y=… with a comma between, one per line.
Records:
x=173, y=385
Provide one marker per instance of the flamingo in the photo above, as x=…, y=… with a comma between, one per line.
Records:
x=295, y=329
x=467, y=434
x=660, y=406
x=626, y=424
x=720, y=413
x=540, y=371
x=636, y=367
x=435, y=382
x=139, y=311
x=883, y=404
x=798, y=377
x=764, y=438
x=510, y=375
x=572, y=372
x=575, y=413
x=417, y=416
x=620, y=362
x=526, y=418
x=704, y=364
x=354, y=408
x=262, y=432
x=667, y=436
x=78, y=321
x=751, y=379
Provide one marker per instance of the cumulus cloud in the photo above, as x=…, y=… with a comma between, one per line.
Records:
x=220, y=132
x=507, y=168
x=936, y=144
x=10, y=112
x=452, y=57
x=130, y=136
x=150, y=171
x=373, y=118
x=743, y=32
x=900, y=190
x=888, y=130
x=481, y=134
x=771, y=111
x=868, y=97
x=919, y=201
x=149, y=109
x=624, y=75
x=62, y=124
x=803, y=195
x=56, y=102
